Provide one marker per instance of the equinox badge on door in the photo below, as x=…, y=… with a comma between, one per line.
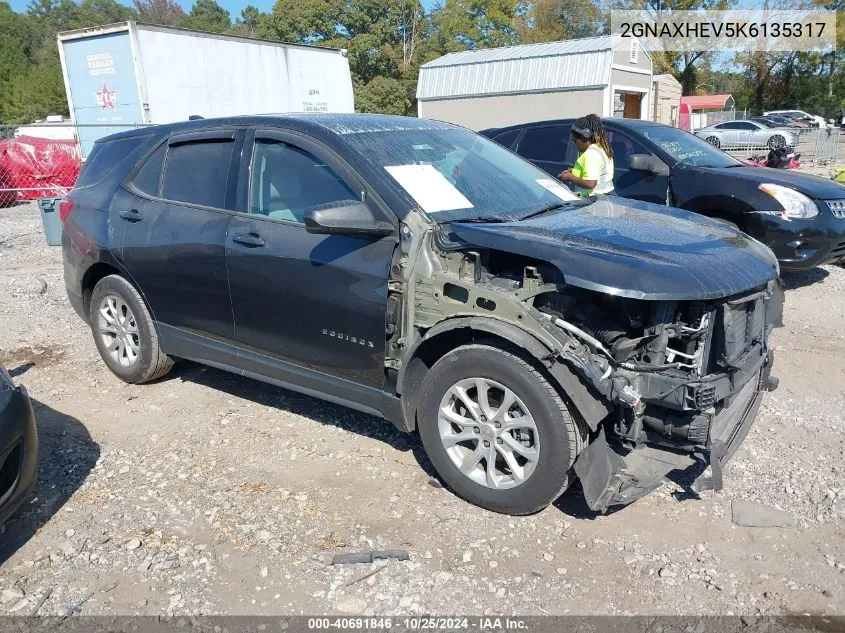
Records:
x=346, y=337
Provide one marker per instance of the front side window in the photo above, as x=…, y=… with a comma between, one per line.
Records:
x=286, y=181
x=623, y=146
x=197, y=172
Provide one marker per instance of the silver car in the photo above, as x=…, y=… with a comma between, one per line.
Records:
x=748, y=135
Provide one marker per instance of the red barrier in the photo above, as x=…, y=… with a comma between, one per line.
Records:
x=32, y=168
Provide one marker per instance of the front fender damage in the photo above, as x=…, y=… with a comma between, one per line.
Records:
x=655, y=396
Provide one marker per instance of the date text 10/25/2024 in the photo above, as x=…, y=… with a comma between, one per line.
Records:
x=421, y=623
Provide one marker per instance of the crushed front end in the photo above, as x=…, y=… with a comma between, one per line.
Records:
x=685, y=379
x=654, y=325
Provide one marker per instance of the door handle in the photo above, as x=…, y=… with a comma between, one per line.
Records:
x=133, y=215
x=250, y=240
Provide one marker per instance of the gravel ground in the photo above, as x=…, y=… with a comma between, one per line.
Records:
x=209, y=493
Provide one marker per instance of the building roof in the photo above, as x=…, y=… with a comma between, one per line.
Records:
x=707, y=102
x=580, y=63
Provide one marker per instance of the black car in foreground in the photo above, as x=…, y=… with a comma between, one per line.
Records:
x=421, y=273
x=799, y=216
x=18, y=446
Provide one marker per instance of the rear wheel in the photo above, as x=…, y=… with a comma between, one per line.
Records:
x=496, y=431
x=713, y=140
x=124, y=332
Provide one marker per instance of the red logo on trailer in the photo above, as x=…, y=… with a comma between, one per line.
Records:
x=106, y=98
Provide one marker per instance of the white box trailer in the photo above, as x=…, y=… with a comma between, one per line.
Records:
x=128, y=74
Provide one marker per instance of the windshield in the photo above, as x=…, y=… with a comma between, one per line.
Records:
x=454, y=174
x=687, y=148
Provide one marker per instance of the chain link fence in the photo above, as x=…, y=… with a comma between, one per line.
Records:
x=697, y=120
x=42, y=160
x=816, y=146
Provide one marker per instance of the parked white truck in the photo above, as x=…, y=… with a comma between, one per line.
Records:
x=128, y=74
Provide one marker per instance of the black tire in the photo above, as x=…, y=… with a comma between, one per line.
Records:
x=560, y=434
x=150, y=362
x=714, y=141
x=776, y=141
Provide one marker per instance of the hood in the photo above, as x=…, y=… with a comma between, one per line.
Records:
x=811, y=186
x=635, y=249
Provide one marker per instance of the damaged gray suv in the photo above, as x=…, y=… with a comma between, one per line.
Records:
x=419, y=272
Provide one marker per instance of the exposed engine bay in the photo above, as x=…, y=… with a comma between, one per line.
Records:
x=662, y=385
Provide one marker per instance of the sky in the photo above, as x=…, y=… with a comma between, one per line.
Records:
x=232, y=6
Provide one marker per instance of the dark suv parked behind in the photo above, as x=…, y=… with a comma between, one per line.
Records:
x=419, y=272
x=799, y=216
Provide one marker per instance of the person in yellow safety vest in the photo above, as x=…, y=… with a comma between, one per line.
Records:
x=593, y=171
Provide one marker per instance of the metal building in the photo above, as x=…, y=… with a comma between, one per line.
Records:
x=608, y=75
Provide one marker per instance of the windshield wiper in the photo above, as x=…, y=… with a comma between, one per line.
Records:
x=554, y=206
x=490, y=219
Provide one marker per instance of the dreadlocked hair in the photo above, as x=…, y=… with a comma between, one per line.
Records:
x=599, y=134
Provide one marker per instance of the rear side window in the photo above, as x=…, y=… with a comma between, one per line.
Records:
x=148, y=178
x=105, y=157
x=547, y=143
x=506, y=139
x=198, y=172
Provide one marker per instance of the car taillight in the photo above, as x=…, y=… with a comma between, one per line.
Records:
x=66, y=206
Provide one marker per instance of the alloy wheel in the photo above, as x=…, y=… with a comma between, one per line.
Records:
x=488, y=433
x=118, y=330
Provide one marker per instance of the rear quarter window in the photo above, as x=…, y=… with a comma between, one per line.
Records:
x=105, y=158
x=148, y=178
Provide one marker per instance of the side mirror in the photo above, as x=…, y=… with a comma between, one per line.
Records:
x=649, y=163
x=346, y=217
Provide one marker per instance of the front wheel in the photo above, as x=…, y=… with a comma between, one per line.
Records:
x=124, y=332
x=776, y=142
x=713, y=140
x=496, y=431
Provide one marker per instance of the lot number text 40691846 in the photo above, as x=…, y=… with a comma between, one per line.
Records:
x=421, y=623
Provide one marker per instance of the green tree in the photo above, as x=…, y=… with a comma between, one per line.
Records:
x=306, y=21
x=459, y=25
x=553, y=20
x=384, y=95
x=167, y=12
x=94, y=12
x=39, y=92
x=15, y=52
x=248, y=23
x=207, y=15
